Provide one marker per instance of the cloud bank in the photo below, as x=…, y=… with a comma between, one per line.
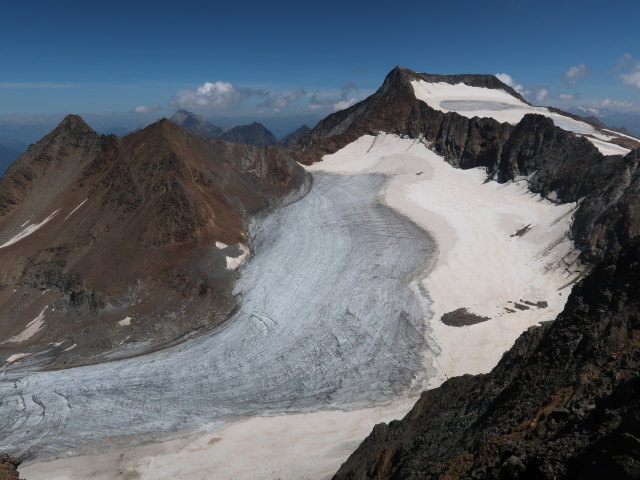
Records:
x=146, y=109
x=575, y=73
x=214, y=96
x=345, y=100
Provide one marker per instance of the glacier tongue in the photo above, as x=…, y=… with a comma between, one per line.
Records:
x=328, y=321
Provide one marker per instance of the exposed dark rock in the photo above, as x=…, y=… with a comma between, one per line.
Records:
x=462, y=317
x=253, y=134
x=9, y=468
x=291, y=139
x=520, y=232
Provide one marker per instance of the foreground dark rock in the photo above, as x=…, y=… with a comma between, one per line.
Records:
x=252, y=134
x=564, y=402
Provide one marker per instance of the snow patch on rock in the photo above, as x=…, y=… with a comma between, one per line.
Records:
x=31, y=329
x=28, y=231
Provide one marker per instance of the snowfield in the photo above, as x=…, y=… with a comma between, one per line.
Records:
x=494, y=103
x=340, y=328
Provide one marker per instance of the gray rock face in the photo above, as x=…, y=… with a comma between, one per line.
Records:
x=563, y=403
x=330, y=319
x=195, y=124
x=291, y=139
x=253, y=134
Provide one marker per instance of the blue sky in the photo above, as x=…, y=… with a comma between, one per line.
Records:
x=131, y=62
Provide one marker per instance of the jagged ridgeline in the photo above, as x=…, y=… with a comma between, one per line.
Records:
x=134, y=236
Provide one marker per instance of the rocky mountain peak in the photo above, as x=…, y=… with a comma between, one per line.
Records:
x=73, y=125
x=196, y=124
x=253, y=134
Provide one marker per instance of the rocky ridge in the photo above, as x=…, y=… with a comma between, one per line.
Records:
x=558, y=164
x=128, y=238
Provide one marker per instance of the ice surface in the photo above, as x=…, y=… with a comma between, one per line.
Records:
x=473, y=223
x=329, y=320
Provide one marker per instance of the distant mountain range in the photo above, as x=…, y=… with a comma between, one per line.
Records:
x=252, y=134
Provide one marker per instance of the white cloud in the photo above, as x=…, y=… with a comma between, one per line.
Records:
x=508, y=80
x=608, y=103
x=575, y=73
x=542, y=94
x=631, y=79
x=214, y=96
x=278, y=101
x=332, y=103
x=342, y=104
x=566, y=96
x=146, y=109
x=593, y=111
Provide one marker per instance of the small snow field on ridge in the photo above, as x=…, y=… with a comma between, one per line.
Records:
x=471, y=101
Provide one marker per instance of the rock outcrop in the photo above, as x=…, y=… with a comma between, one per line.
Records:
x=9, y=468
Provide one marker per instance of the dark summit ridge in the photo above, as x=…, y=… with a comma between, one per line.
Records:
x=291, y=139
x=253, y=134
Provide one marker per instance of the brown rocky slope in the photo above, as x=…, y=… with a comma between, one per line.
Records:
x=127, y=259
